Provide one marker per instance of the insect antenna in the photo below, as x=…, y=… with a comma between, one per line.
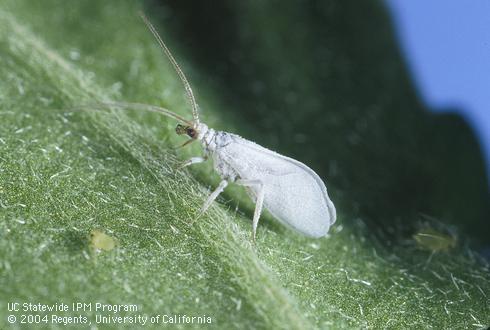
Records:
x=187, y=86
x=98, y=106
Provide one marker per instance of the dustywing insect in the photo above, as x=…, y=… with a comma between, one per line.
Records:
x=292, y=192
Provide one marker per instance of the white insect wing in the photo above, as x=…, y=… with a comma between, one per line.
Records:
x=293, y=193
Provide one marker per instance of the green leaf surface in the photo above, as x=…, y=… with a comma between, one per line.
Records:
x=65, y=173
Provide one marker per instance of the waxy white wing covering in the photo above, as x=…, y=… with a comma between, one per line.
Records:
x=294, y=193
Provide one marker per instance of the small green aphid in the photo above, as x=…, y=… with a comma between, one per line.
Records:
x=99, y=241
x=435, y=241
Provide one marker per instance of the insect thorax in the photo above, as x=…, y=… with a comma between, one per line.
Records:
x=213, y=141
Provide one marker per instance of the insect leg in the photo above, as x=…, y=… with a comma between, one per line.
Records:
x=211, y=198
x=258, y=203
x=185, y=143
x=193, y=160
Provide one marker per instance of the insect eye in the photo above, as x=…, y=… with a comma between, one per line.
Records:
x=191, y=132
x=180, y=129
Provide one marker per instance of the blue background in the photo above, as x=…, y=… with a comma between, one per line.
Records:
x=446, y=44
